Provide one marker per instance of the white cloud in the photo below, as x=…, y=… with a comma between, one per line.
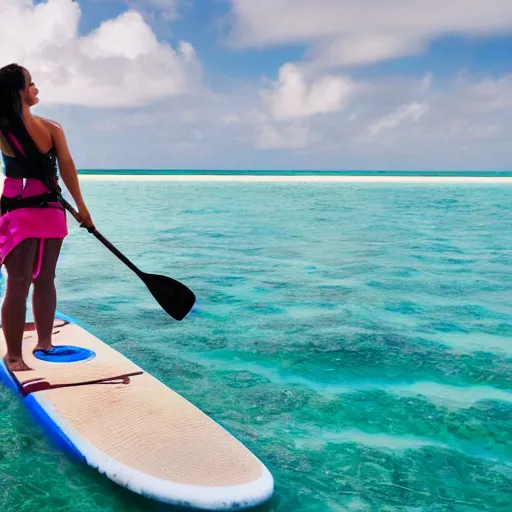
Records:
x=292, y=136
x=307, y=118
x=491, y=95
x=363, y=49
x=293, y=98
x=121, y=63
x=110, y=39
x=349, y=32
x=412, y=112
x=403, y=123
x=467, y=126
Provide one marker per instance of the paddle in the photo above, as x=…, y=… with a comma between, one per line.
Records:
x=174, y=297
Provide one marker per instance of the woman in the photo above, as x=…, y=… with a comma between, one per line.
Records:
x=32, y=222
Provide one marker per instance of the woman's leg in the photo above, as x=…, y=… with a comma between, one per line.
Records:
x=44, y=298
x=19, y=265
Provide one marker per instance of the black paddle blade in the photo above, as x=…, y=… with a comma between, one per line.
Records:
x=175, y=298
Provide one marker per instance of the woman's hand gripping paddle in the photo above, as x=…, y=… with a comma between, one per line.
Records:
x=174, y=297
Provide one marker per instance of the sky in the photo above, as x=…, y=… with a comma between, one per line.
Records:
x=271, y=84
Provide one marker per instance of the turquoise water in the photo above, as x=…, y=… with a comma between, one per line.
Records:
x=181, y=172
x=356, y=337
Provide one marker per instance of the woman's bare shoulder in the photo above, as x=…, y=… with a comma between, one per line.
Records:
x=49, y=124
x=54, y=129
x=58, y=137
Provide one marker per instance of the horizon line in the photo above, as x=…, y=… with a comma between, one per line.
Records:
x=355, y=172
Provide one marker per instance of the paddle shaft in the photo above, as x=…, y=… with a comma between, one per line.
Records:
x=174, y=297
x=102, y=239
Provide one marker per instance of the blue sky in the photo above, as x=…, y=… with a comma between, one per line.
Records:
x=272, y=84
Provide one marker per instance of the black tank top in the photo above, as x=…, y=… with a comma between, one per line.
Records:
x=28, y=161
x=42, y=169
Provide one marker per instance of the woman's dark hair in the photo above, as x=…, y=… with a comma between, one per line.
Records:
x=12, y=81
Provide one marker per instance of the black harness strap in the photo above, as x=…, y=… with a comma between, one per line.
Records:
x=29, y=162
x=8, y=204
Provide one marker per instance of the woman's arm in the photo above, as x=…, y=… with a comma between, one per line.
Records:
x=68, y=171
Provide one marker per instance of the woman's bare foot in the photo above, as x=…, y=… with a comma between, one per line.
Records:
x=41, y=346
x=16, y=364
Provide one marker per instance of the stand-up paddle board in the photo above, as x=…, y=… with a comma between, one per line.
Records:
x=138, y=432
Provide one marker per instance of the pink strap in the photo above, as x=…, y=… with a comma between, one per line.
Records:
x=16, y=143
x=39, y=259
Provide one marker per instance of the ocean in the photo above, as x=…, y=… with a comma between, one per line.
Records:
x=292, y=173
x=357, y=337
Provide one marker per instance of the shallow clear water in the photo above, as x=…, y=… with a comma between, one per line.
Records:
x=356, y=337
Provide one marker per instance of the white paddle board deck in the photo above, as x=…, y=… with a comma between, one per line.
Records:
x=134, y=429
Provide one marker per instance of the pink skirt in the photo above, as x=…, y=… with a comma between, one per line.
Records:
x=41, y=223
